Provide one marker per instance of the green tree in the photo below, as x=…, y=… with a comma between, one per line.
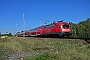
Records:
x=73, y=29
x=0, y=34
x=10, y=34
x=81, y=29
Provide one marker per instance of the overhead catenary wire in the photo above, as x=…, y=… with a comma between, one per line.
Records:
x=85, y=11
x=36, y=6
x=81, y=12
x=70, y=9
x=77, y=15
x=73, y=8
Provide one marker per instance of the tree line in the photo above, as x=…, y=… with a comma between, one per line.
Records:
x=81, y=29
x=7, y=34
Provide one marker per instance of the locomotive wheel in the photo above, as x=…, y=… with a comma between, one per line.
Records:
x=66, y=36
x=43, y=36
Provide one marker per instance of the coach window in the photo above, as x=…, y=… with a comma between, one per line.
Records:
x=58, y=26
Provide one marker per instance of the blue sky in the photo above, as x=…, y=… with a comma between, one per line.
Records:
x=11, y=13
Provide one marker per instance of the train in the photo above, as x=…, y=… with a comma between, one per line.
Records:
x=58, y=28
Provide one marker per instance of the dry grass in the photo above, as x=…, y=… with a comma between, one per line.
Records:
x=62, y=50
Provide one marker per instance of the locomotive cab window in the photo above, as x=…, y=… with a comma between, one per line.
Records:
x=65, y=26
x=58, y=26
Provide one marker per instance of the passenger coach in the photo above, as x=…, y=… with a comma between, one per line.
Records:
x=60, y=29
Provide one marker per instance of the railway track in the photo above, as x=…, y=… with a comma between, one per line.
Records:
x=87, y=40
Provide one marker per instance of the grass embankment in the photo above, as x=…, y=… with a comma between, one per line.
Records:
x=61, y=49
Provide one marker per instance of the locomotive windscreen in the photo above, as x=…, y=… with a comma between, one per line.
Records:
x=65, y=26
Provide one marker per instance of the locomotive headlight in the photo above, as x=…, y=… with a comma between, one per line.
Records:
x=68, y=29
x=63, y=29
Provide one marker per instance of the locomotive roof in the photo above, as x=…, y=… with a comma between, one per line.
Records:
x=56, y=23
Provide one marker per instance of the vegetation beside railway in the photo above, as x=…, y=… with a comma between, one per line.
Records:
x=81, y=29
x=44, y=48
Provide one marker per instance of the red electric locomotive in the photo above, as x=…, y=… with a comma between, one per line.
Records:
x=60, y=28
